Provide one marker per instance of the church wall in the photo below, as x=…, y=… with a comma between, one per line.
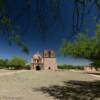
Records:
x=46, y=62
x=50, y=63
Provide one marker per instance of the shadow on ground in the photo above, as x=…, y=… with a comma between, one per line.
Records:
x=94, y=73
x=73, y=90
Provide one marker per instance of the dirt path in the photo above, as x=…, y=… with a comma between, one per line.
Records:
x=6, y=72
x=48, y=85
x=11, y=72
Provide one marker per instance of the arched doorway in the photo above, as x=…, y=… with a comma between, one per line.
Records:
x=38, y=68
x=49, y=68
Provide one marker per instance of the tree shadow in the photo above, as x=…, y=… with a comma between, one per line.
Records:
x=73, y=90
x=94, y=73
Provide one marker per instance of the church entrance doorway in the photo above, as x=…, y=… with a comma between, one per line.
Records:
x=38, y=68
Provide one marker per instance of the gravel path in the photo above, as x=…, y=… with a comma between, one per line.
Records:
x=38, y=85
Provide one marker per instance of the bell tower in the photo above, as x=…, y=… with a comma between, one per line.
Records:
x=49, y=60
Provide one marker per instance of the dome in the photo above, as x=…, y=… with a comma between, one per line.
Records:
x=37, y=56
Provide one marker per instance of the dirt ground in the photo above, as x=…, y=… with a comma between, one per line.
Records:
x=49, y=85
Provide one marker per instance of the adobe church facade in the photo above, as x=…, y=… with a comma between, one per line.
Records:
x=45, y=61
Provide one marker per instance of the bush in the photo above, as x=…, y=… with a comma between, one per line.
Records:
x=3, y=63
x=70, y=67
x=27, y=67
x=14, y=63
x=17, y=63
x=96, y=63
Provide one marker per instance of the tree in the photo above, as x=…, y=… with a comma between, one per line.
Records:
x=3, y=63
x=84, y=46
x=81, y=8
x=17, y=63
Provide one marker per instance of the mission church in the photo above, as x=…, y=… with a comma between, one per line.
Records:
x=45, y=61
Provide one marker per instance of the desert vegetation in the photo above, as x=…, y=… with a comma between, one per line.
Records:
x=14, y=63
x=84, y=46
x=65, y=66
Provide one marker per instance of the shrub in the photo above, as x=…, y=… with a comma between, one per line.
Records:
x=96, y=63
x=3, y=63
x=70, y=67
x=17, y=63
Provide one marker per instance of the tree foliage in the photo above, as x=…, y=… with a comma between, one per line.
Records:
x=3, y=62
x=81, y=8
x=6, y=28
x=83, y=46
x=17, y=61
x=80, y=47
x=14, y=63
x=70, y=67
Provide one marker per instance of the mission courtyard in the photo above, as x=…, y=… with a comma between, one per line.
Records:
x=46, y=82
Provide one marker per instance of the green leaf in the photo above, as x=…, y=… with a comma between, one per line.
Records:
x=5, y=20
x=2, y=4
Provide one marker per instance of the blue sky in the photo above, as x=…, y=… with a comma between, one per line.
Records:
x=34, y=39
